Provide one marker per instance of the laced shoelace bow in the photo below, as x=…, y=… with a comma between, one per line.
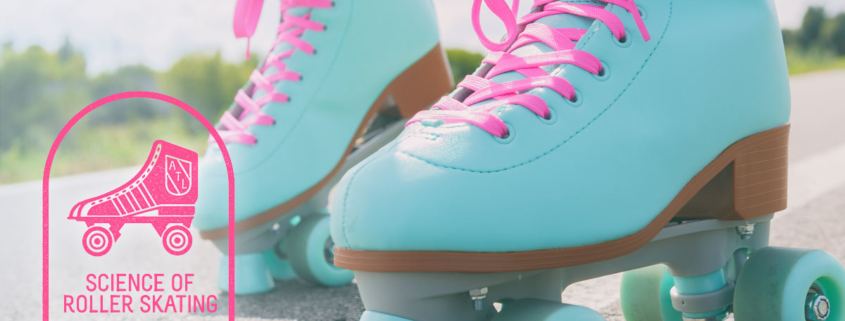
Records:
x=562, y=41
x=247, y=13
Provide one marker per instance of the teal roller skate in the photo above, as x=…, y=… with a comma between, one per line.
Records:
x=599, y=137
x=337, y=85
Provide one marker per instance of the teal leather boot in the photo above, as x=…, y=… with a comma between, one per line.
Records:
x=591, y=127
x=336, y=86
x=628, y=115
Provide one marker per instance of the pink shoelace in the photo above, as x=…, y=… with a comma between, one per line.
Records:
x=562, y=41
x=247, y=12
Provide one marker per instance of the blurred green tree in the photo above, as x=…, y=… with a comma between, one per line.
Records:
x=811, y=26
x=128, y=78
x=790, y=38
x=206, y=82
x=36, y=86
x=833, y=34
x=41, y=90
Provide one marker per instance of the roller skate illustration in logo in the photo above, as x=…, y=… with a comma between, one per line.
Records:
x=163, y=194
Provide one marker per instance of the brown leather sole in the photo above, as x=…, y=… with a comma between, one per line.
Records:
x=747, y=180
x=415, y=89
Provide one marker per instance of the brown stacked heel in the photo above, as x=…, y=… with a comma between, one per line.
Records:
x=752, y=184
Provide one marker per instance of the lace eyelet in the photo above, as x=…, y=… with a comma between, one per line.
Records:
x=509, y=136
x=576, y=100
x=625, y=41
x=643, y=13
x=550, y=119
x=603, y=74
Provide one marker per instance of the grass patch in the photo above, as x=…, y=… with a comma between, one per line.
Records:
x=89, y=149
x=802, y=62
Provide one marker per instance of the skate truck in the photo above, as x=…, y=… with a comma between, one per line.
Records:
x=163, y=194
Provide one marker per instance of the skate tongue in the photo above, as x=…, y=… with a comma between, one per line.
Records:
x=295, y=11
x=282, y=47
x=559, y=21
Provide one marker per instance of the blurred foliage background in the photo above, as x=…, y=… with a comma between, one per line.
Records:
x=818, y=44
x=41, y=90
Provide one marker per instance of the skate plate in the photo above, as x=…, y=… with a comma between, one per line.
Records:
x=688, y=248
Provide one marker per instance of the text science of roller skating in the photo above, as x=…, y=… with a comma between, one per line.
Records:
x=138, y=293
x=161, y=194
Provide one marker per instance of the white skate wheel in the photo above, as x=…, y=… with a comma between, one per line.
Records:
x=97, y=241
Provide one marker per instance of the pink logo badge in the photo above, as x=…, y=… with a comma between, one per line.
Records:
x=162, y=194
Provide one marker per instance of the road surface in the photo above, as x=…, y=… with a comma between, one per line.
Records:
x=814, y=220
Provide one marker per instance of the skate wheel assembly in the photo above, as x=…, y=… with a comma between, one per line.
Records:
x=255, y=272
x=542, y=310
x=311, y=252
x=782, y=284
x=97, y=241
x=251, y=274
x=278, y=263
x=177, y=240
x=645, y=295
x=306, y=252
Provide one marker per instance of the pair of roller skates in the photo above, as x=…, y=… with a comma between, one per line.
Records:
x=599, y=137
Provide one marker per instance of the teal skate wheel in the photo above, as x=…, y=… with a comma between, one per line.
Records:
x=645, y=295
x=542, y=310
x=781, y=284
x=310, y=249
x=278, y=263
x=251, y=274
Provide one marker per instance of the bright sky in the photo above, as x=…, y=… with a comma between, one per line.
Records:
x=157, y=32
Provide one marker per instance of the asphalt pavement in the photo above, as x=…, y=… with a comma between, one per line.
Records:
x=815, y=219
